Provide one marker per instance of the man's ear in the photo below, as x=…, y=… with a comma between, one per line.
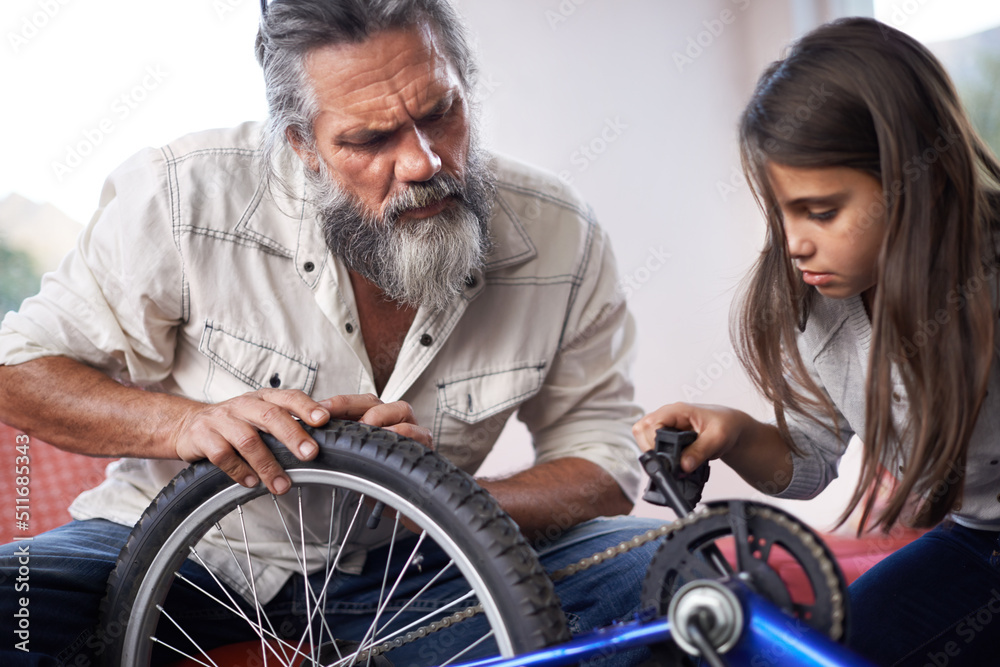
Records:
x=306, y=154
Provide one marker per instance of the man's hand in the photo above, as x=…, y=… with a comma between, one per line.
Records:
x=227, y=433
x=368, y=409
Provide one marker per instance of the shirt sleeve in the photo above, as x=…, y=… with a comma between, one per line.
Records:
x=115, y=301
x=585, y=407
x=821, y=443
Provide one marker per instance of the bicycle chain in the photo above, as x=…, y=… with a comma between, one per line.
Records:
x=815, y=549
x=558, y=575
x=826, y=566
x=419, y=633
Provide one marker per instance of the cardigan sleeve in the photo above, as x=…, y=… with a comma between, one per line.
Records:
x=821, y=443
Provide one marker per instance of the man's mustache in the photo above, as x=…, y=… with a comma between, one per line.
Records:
x=423, y=194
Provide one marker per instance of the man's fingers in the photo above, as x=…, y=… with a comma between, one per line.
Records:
x=297, y=403
x=248, y=447
x=350, y=406
x=220, y=449
x=276, y=420
x=399, y=418
x=414, y=432
x=389, y=414
x=217, y=449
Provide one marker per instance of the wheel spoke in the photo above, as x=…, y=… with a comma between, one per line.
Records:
x=282, y=643
x=170, y=618
x=253, y=584
x=425, y=588
x=173, y=648
x=301, y=561
x=381, y=594
x=400, y=576
x=235, y=609
x=329, y=575
x=467, y=649
x=305, y=582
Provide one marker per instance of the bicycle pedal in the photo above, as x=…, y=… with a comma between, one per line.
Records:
x=666, y=458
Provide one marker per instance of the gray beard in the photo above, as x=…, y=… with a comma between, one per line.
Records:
x=420, y=263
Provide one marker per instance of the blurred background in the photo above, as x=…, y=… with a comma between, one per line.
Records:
x=633, y=102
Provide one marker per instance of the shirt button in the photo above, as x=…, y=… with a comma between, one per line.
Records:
x=275, y=381
x=308, y=266
x=349, y=328
x=896, y=397
x=426, y=340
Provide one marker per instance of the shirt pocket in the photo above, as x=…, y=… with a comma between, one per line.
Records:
x=240, y=362
x=472, y=409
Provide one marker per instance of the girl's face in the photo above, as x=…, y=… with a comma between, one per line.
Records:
x=834, y=221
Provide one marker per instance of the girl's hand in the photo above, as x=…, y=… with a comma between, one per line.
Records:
x=718, y=428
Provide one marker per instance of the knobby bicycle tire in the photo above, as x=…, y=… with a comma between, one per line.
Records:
x=484, y=543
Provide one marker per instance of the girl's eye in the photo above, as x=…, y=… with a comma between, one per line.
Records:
x=823, y=215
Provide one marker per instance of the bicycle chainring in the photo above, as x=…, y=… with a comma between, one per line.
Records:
x=757, y=533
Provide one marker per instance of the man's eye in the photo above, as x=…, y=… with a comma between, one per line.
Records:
x=364, y=145
x=437, y=115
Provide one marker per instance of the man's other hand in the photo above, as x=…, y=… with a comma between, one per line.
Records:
x=228, y=433
x=368, y=409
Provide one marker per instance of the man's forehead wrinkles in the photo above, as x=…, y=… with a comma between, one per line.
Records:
x=411, y=79
x=381, y=108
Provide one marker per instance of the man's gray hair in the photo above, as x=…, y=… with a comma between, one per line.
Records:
x=292, y=28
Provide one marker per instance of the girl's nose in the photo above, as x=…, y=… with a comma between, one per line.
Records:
x=799, y=244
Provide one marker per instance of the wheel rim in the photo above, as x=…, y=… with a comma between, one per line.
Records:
x=153, y=590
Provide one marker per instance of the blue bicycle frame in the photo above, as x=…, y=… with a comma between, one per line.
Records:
x=765, y=636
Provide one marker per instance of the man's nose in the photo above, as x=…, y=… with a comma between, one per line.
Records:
x=416, y=160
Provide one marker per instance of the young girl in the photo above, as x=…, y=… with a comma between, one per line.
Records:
x=872, y=310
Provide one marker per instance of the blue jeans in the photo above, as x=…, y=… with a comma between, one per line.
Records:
x=68, y=567
x=934, y=603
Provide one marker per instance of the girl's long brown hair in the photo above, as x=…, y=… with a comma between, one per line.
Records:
x=856, y=93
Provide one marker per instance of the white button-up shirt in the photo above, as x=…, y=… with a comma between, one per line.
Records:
x=194, y=279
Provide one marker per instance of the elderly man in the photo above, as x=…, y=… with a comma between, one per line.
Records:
x=359, y=246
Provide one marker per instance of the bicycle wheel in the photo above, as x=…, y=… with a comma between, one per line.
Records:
x=361, y=473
